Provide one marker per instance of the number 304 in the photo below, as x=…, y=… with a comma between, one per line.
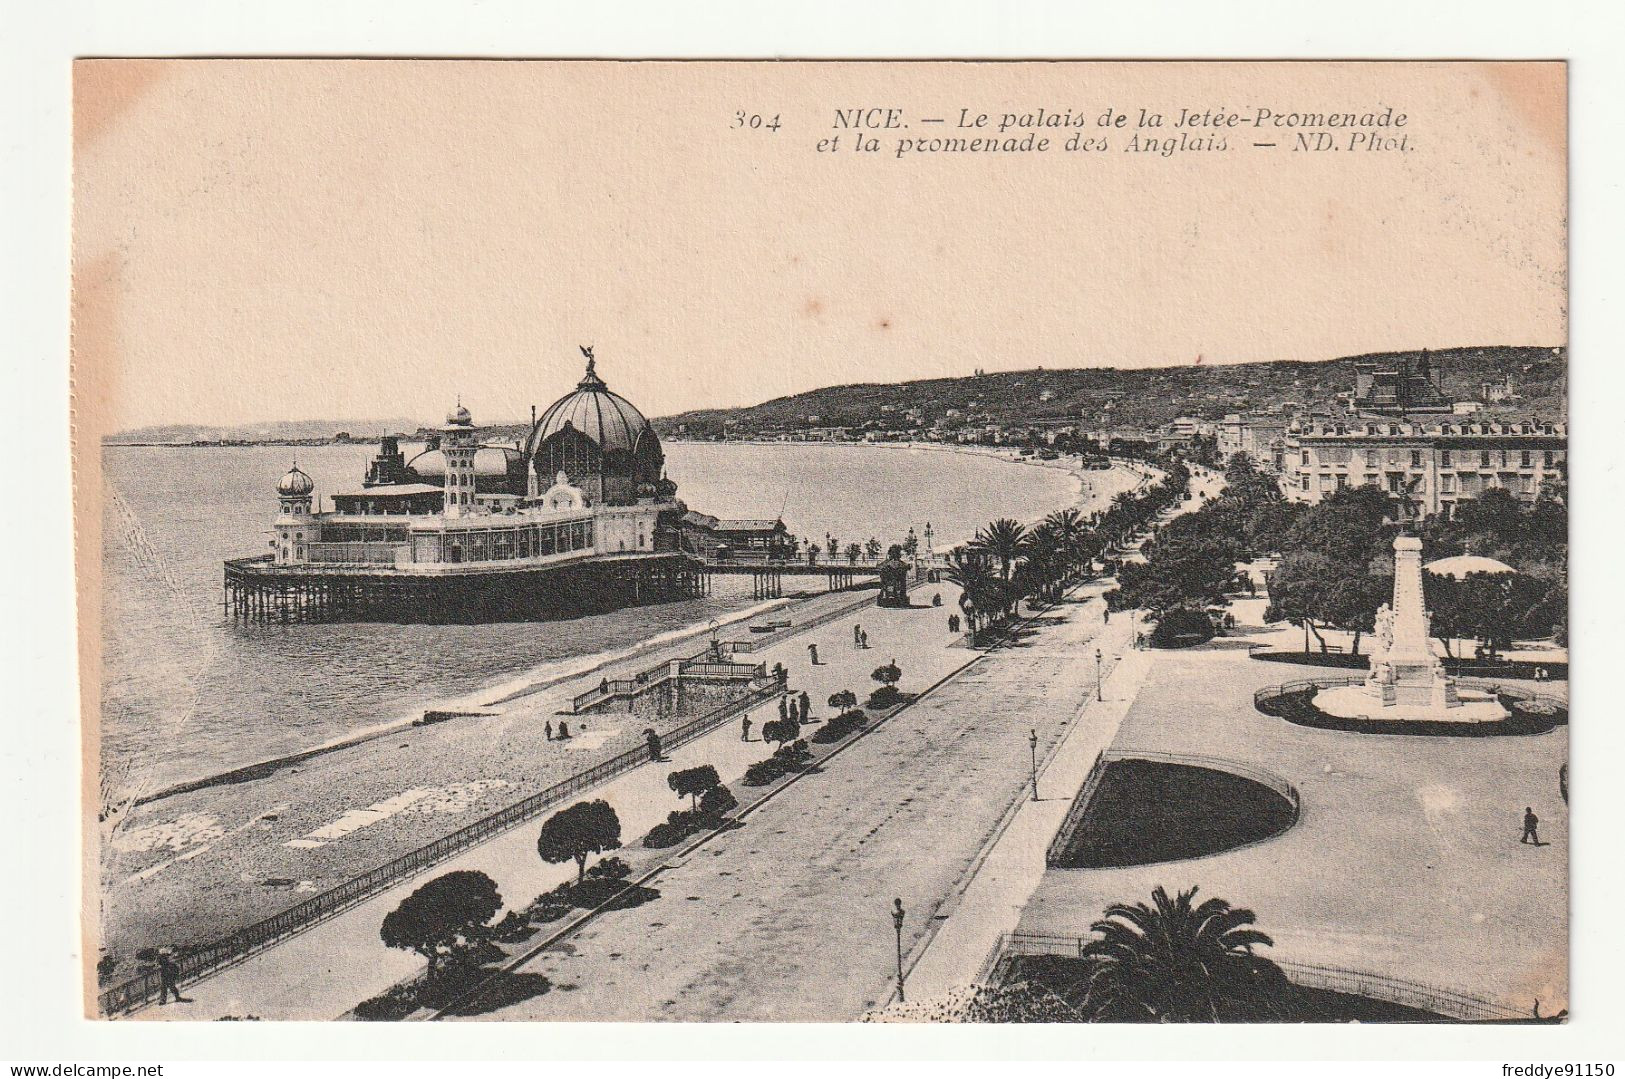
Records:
x=756, y=121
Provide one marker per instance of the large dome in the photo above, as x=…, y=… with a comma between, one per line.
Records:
x=600, y=441
x=607, y=418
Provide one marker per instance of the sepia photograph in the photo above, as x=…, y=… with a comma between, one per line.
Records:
x=822, y=542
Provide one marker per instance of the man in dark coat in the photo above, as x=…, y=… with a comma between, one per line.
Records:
x=169, y=977
x=1530, y=822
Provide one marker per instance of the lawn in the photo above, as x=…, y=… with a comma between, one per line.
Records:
x=1149, y=811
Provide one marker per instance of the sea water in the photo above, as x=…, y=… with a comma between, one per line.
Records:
x=186, y=693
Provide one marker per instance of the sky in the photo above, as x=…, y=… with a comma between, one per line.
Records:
x=278, y=240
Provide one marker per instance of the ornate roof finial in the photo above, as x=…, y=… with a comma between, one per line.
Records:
x=590, y=380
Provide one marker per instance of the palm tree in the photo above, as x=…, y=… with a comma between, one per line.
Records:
x=1068, y=525
x=969, y=570
x=1175, y=962
x=1041, y=572
x=1005, y=541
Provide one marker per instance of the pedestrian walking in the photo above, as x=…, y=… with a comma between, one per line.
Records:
x=564, y=730
x=857, y=635
x=169, y=979
x=1530, y=822
x=812, y=652
x=744, y=729
x=863, y=639
x=1105, y=613
x=936, y=597
x=549, y=729
x=806, y=705
x=652, y=740
x=784, y=708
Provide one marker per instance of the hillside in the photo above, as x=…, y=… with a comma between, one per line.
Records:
x=1143, y=397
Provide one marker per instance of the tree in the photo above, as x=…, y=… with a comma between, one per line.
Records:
x=1315, y=590
x=582, y=829
x=445, y=913
x=853, y=550
x=844, y=700
x=1172, y=962
x=1069, y=530
x=871, y=550
x=716, y=801
x=1496, y=608
x=780, y=731
x=888, y=674
x=1005, y=541
x=980, y=589
x=690, y=783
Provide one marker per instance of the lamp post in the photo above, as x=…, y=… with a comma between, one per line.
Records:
x=1032, y=741
x=1098, y=694
x=897, y=923
x=716, y=646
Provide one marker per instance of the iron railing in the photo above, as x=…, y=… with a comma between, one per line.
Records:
x=1075, y=815
x=255, y=938
x=1440, y=1000
x=1302, y=685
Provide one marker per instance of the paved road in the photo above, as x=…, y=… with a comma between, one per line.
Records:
x=788, y=918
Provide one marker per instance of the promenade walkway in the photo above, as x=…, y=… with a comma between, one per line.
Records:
x=788, y=918
x=328, y=969
x=991, y=901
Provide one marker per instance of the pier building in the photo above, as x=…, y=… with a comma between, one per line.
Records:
x=579, y=517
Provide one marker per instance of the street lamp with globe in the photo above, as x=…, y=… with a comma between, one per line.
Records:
x=1032, y=741
x=1098, y=694
x=897, y=923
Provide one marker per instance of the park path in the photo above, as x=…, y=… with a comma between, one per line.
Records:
x=328, y=969
x=788, y=918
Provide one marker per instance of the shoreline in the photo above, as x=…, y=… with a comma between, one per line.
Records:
x=464, y=706
x=504, y=689
x=203, y=861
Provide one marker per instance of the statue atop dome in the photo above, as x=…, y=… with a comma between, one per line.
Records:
x=597, y=438
x=590, y=380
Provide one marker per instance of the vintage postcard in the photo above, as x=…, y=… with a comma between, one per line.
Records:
x=898, y=542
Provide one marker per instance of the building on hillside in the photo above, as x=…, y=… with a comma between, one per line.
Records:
x=1429, y=464
x=1399, y=387
x=1259, y=435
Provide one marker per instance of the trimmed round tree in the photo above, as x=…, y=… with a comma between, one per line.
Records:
x=445, y=912
x=690, y=783
x=583, y=829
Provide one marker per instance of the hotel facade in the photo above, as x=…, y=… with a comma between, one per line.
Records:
x=1430, y=464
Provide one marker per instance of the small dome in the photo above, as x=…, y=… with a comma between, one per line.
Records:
x=1461, y=565
x=295, y=484
x=430, y=465
x=459, y=417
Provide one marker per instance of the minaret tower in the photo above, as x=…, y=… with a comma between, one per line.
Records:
x=295, y=525
x=458, y=444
